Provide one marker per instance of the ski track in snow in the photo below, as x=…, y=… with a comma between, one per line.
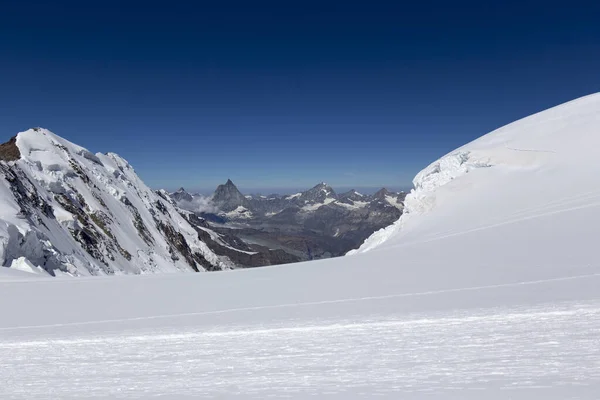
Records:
x=514, y=352
x=531, y=150
x=303, y=304
x=547, y=210
x=516, y=216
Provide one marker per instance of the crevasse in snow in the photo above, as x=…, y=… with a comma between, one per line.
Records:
x=422, y=197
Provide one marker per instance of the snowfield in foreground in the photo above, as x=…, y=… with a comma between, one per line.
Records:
x=487, y=287
x=522, y=341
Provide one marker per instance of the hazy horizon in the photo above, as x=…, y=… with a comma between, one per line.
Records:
x=292, y=189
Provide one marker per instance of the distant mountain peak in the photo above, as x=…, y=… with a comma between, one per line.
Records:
x=351, y=196
x=318, y=194
x=229, y=185
x=227, y=197
x=182, y=195
x=320, y=186
x=381, y=193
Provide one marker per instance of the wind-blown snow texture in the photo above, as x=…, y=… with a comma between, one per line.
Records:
x=488, y=288
x=69, y=211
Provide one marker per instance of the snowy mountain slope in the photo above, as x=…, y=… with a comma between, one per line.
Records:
x=488, y=290
x=530, y=170
x=66, y=209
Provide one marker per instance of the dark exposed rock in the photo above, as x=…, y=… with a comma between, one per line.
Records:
x=178, y=244
x=89, y=241
x=25, y=192
x=381, y=193
x=77, y=168
x=9, y=150
x=182, y=195
x=351, y=196
x=69, y=205
x=227, y=197
x=138, y=222
x=60, y=146
x=88, y=235
x=317, y=194
x=103, y=221
x=99, y=199
x=161, y=207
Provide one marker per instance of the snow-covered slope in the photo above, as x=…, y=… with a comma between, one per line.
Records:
x=523, y=174
x=487, y=289
x=67, y=210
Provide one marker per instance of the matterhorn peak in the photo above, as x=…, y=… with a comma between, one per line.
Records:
x=228, y=198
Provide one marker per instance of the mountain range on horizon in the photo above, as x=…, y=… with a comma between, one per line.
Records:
x=311, y=224
x=227, y=198
x=67, y=211
x=284, y=190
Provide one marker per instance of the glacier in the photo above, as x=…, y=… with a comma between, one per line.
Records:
x=487, y=287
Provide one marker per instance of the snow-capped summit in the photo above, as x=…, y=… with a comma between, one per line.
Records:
x=351, y=196
x=65, y=209
x=182, y=195
x=321, y=193
x=381, y=193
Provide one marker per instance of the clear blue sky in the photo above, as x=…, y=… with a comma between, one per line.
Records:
x=288, y=94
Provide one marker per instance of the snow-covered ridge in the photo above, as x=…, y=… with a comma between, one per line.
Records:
x=67, y=210
x=422, y=197
x=546, y=140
